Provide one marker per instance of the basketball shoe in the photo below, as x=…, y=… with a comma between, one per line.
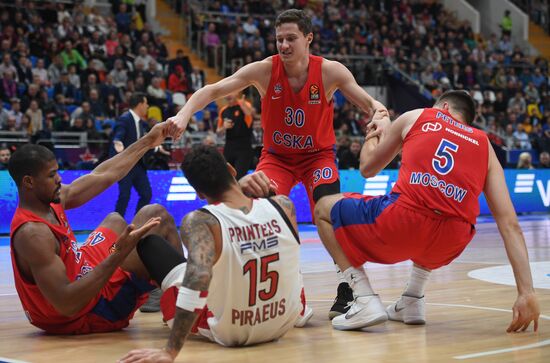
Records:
x=304, y=317
x=365, y=311
x=152, y=305
x=342, y=302
x=408, y=309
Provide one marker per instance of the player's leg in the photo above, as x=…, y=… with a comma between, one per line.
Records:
x=124, y=189
x=279, y=172
x=321, y=179
x=409, y=308
x=143, y=187
x=366, y=309
x=166, y=230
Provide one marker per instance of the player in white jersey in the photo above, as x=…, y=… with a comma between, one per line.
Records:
x=242, y=278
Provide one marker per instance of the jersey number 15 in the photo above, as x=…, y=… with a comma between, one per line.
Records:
x=265, y=275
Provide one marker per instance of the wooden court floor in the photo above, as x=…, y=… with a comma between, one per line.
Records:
x=466, y=316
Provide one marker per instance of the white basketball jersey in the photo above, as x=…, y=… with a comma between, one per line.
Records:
x=256, y=284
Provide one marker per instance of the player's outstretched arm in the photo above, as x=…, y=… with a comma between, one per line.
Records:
x=36, y=250
x=112, y=170
x=197, y=230
x=375, y=156
x=526, y=307
x=251, y=74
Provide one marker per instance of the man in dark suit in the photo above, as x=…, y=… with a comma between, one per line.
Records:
x=129, y=127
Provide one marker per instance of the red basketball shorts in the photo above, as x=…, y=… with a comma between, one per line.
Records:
x=382, y=230
x=310, y=169
x=123, y=294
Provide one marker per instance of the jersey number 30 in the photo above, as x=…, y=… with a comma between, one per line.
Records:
x=443, y=162
x=273, y=277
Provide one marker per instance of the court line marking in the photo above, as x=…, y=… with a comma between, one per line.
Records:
x=506, y=350
x=486, y=353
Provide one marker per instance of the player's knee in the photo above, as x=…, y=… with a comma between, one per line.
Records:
x=114, y=222
x=154, y=210
x=322, y=209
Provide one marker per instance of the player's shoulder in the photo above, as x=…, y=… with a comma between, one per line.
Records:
x=199, y=216
x=33, y=235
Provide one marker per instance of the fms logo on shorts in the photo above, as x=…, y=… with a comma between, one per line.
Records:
x=525, y=184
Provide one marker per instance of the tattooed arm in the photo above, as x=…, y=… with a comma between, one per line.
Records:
x=201, y=232
x=288, y=208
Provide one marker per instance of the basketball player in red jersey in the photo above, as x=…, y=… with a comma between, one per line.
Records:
x=428, y=217
x=297, y=117
x=69, y=289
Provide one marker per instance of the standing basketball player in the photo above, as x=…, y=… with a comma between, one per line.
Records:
x=242, y=280
x=297, y=117
x=430, y=215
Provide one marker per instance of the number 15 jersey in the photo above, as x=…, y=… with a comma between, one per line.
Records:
x=255, y=291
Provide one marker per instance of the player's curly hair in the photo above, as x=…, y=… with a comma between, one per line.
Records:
x=206, y=170
x=296, y=16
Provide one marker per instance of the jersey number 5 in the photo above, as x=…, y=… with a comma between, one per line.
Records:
x=273, y=277
x=443, y=162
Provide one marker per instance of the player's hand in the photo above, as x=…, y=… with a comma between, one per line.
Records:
x=526, y=309
x=380, y=123
x=130, y=237
x=176, y=126
x=146, y=356
x=119, y=146
x=158, y=134
x=257, y=185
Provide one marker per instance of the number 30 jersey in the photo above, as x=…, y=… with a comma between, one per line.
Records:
x=255, y=291
x=297, y=122
x=444, y=166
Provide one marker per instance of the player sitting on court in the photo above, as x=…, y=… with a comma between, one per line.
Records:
x=242, y=283
x=429, y=217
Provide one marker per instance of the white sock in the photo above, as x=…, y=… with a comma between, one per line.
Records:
x=339, y=275
x=358, y=281
x=417, y=282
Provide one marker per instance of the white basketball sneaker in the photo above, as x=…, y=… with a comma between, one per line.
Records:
x=408, y=309
x=302, y=319
x=365, y=311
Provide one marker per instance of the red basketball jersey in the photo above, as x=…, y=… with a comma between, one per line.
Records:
x=300, y=122
x=38, y=310
x=444, y=166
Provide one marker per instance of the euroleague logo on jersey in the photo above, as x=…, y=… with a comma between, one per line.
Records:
x=314, y=96
x=277, y=88
x=429, y=126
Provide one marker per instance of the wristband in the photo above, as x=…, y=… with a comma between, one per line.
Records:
x=191, y=300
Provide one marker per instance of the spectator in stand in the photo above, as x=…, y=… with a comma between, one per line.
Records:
x=8, y=86
x=143, y=57
x=36, y=116
x=5, y=154
x=155, y=93
x=74, y=77
x=69, y=55
x=506, y=24
x=123, y=19
x=518, y=101
x=119, y=74
x=197, y=79
x=350, y=157
x=41, y=72
x=181, y=60
x=544, y=160
x=177, y=80
x=65, y=88
x=15, y=111
x=522, y=138
x=525, y=161
x=55, y=69
x=7, y=65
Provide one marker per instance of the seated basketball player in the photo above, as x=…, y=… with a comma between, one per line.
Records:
x=242, y=283
x=429, y=217
x=67, y=289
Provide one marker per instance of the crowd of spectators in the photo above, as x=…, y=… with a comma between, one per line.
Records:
x=70, y=68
